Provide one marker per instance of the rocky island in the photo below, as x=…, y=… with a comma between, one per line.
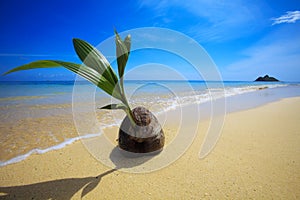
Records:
x=266, y=78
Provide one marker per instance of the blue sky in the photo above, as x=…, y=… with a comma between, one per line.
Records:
x=245, y=39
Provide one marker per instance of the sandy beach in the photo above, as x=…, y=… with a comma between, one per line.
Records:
x=256, y=157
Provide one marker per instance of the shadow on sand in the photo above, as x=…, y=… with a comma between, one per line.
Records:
x=56, y=189
x=66, y=188
x=125, y=159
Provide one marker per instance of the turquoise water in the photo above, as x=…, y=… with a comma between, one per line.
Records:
x=17, y=97
x=45, y=92
x=37, y=116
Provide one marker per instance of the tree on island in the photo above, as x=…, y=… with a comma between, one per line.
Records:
x=266, y=78
x=140, y=131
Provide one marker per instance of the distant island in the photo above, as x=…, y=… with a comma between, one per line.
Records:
x=266, y=78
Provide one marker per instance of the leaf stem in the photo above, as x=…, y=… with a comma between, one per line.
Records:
x=125, y=102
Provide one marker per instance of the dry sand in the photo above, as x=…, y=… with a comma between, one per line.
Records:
x=257, y=157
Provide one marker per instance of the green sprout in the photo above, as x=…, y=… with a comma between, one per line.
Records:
x=96, y=69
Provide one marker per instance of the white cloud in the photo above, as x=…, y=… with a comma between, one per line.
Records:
x=211, y=20
x=289, y=17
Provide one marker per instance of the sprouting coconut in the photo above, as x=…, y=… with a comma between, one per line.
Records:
x=140, y=131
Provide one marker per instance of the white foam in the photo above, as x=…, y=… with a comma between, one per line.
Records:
x=200, y=97
x=42, y=151
x=168, y=104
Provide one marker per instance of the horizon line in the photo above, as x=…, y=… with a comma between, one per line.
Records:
x=136, y=80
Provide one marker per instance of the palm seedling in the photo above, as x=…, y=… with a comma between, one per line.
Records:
x=140, y=131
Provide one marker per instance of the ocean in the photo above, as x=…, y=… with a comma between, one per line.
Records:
x=37, y=117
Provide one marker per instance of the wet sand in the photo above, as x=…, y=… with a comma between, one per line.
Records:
x=256, y=157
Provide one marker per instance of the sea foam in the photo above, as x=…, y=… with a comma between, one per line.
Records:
x=166, y=102
x=42, y=151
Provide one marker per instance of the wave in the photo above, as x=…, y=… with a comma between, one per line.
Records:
x=42, y=151
x=199, y=97
x=166, y=102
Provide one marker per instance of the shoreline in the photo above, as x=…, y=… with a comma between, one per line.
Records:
x=248, y=162
x=204, y=108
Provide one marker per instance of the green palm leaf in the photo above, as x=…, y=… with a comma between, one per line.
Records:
x=127, y=43
x=122, y=53
x=92, y=58
x=33, y=65
x=95, y=69
x=86, y=72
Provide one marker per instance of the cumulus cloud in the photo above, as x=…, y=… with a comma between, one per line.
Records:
x=289, y=17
